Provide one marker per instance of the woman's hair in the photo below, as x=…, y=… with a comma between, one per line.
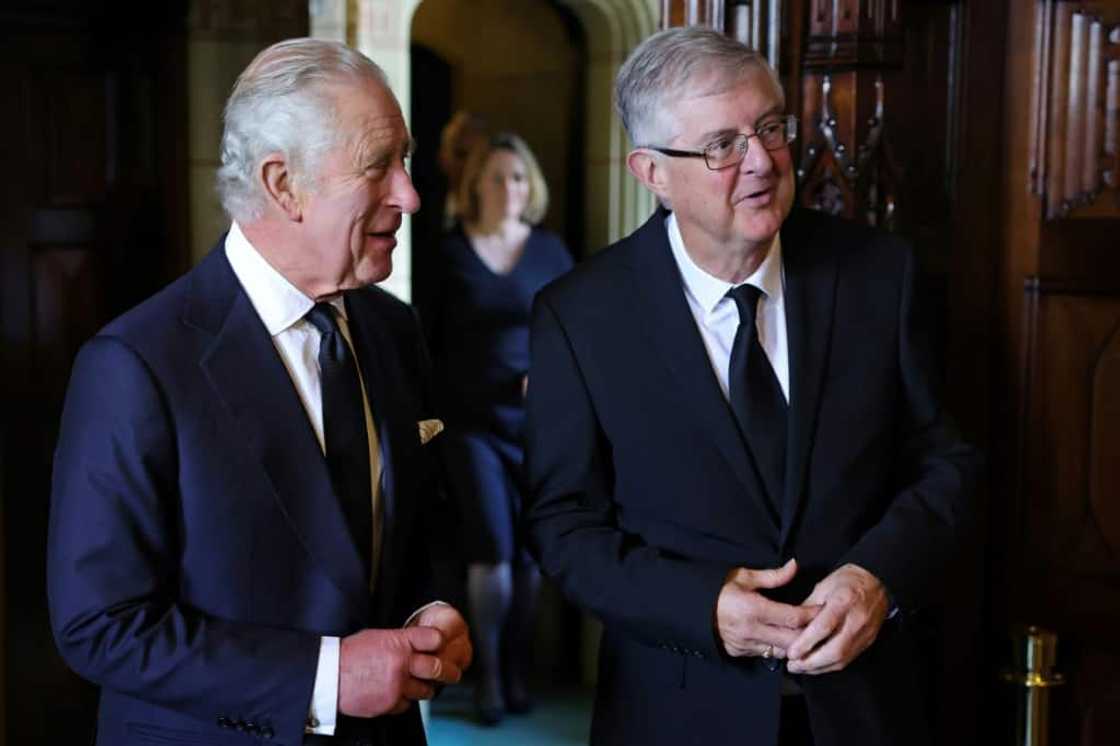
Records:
x=537, y=204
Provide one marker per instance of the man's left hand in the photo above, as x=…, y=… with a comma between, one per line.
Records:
x=456, y=653
x=854, y=606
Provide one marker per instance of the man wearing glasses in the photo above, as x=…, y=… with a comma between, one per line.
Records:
x=738, y=461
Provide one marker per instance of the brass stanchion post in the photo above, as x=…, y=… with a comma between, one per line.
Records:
x=1034, y=655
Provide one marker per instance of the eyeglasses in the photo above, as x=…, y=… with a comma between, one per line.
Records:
x=730, y=150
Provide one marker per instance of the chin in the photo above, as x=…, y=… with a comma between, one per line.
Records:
x=375, y=273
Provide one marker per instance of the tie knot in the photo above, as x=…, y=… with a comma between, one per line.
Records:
x=321, y=317
x=746, y=298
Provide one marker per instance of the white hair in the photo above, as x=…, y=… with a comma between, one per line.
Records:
x=280, y=103
x=661, y=67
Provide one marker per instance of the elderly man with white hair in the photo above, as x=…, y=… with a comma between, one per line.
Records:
x=246, y=526
x=738, y=460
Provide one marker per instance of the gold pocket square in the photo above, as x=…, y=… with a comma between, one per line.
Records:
x=429, y=429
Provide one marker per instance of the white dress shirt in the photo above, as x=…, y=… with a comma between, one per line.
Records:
x=717, y=316
x=282, y=307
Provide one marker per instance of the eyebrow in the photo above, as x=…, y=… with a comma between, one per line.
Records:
x=370, y=156
x=712, y=134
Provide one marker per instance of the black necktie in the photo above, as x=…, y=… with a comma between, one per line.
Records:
x=344, y=429
x=756, y=397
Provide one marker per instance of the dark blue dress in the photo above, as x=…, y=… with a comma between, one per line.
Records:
x=478, y=329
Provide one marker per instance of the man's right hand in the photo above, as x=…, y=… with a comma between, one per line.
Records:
x=383, y=671
x=748, y=623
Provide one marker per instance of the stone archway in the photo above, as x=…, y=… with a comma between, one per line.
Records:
x=614, y=203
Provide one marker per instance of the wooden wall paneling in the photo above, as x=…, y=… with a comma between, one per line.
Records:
x=760, y=24
x=710, y=13
x=1070, y=525
x=968, y=710
x=846, y=166
x=1075, y=99
x=95, y=221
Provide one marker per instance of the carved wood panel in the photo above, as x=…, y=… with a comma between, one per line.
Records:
x=1075, y=109
x=759, y=24
x=1068, y=484
x=847, y=166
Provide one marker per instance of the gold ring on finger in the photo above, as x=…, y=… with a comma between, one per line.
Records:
x=769, y=651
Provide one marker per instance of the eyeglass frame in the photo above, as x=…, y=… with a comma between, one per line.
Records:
x=789, y=121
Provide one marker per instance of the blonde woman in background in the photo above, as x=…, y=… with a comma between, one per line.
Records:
x=490, y=267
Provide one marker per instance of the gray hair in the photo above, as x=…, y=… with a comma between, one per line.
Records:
x=661, y=67
x=279, y=105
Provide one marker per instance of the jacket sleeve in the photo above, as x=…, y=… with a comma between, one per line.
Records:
x=931, y=513
x=665, y=601
x=113, y=565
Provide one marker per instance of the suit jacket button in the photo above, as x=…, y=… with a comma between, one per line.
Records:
x=251, y=727
x=267, y=732
x=223, y=721
x=240, y=725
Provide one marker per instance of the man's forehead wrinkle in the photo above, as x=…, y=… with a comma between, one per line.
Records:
x=379, y=133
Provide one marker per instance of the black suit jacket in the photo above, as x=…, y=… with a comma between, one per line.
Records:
x=197, y=552
x=644, y=495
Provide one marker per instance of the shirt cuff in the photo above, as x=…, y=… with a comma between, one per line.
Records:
x=421, y=610
x=323, y=715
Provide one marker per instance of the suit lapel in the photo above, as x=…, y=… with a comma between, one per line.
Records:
x=376, y=356
x=810, y=289
x=671, y=328
x=247, y=374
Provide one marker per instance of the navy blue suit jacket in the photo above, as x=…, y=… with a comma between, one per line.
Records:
x=644, y=494
x=197, y=552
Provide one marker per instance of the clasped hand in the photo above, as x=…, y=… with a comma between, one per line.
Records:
x=383, y=671
x=827, y=631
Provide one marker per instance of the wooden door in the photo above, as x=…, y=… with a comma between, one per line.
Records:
x=1060, y=314
x=93, y=142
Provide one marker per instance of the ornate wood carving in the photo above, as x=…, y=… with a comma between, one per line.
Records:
x=1075, y=111
x=756, y=23
x=846, y=166
x=851, y=32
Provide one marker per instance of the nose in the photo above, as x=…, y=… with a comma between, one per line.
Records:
x=757, y=160
x=403, y=194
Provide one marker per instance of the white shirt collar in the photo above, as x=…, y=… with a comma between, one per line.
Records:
x=278, y=302
x=709, y=290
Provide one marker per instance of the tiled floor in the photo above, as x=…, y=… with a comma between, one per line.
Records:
x=562, y=717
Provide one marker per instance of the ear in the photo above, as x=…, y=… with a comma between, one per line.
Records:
x=276, y=178
x=649, y=170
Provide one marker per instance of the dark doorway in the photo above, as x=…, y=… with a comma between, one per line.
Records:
x=93, y=139
x=430, y=111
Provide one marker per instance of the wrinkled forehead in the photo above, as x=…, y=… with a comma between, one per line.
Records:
x=368, y=116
